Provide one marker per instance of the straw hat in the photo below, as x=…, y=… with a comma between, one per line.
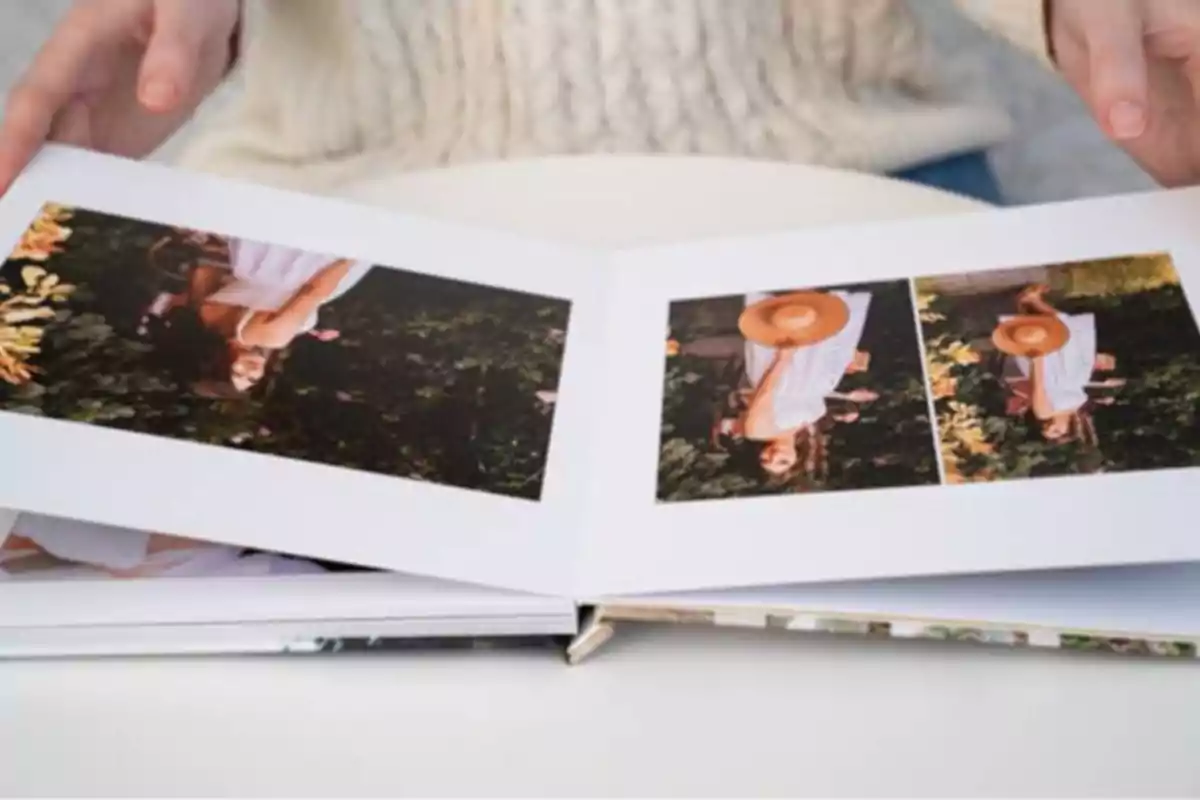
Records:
x=1031, y=335
x=794, y=320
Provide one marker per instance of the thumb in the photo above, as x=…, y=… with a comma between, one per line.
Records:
x=172, y=56
x=1118, y=82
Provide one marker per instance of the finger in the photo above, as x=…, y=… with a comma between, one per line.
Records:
x=168, y=69
x=1177, y=39
x=1191, y=66
x=46, y=87
x=1118, y=86
x=26, y=123
x=72, y=124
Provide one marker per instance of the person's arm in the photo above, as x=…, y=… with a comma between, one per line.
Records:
x=275, y=329
x=162, y=542
x=759, y=420
x=1038, y=399
x=203, y=281
x=1023, y=23
x=856, y=396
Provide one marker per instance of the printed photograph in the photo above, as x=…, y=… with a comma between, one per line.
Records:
x=795, y=391
x=1063, y=369
x=241, y=344
x=45, y=548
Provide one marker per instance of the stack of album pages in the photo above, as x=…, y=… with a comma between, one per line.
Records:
x=235, y=419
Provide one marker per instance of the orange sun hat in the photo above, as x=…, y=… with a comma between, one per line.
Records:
x=1031, y=335
x=794, y=320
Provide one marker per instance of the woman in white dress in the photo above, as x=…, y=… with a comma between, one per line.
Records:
x=792, y=387
x=52, y=548
x=786, y=402
x=1053, y=387
x=245, y=301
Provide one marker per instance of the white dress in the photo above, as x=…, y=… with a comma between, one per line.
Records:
x=812, y=372
x=89, y=551
x=265, y=276
x=1067, y=370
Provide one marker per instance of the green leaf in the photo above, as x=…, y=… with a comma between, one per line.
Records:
x=29, y=391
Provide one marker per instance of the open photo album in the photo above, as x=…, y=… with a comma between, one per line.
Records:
x=240, y=419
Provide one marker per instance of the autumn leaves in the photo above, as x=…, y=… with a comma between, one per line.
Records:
x=27, y=306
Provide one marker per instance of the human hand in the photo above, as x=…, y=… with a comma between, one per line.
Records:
x=860, y=363
x=1136, y=63
x=118, y=76
x=862, y=396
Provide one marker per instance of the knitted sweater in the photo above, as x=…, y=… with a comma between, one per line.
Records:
x=335, y=91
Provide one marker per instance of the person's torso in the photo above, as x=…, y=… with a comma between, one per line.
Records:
x=1066, y=371
x=429, y=82
x=809, y=373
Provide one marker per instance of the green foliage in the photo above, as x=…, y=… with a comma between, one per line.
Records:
x=430, y=379
x=1102, y=644
x=1116, y=276
x=890, y=445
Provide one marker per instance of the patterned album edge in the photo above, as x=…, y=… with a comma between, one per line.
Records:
x=599, y=625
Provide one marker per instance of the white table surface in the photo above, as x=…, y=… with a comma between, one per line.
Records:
x=661, y=711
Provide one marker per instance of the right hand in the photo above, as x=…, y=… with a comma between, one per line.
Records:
x=118, y=76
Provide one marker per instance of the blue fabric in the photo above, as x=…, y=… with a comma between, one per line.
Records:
x=968, y=174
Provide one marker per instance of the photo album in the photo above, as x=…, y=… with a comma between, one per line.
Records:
x=238, y=419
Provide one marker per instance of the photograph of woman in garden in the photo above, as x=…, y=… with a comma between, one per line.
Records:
x=232, y=342
x=816, y=390
x=1068, y=369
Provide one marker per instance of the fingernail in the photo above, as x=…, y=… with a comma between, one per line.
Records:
x=158, y=92
x=1127, y=120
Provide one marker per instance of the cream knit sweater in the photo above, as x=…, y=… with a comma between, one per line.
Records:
x=336, y=90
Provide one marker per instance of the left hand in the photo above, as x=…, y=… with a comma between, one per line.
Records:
x=1136, y=63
